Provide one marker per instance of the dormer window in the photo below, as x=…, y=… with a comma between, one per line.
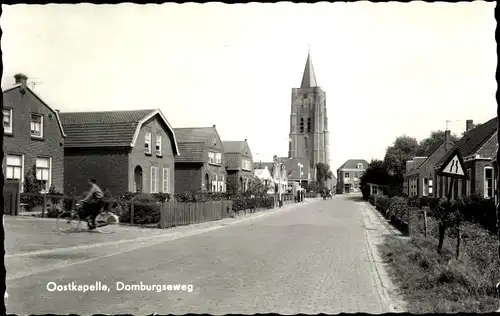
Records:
x=360, y=166
x=36, y=125
x=7, y=121
x=147, y=142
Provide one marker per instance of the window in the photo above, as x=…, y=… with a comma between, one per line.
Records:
x=488, y=182
x=214, y=184
x=36, y=125
x=309, y=125
x=359, y=166
x=7, y=121
x=158, y=145
x=374, y=190
x=166, y=180
x=214, y=158
x=346, y=175
x=221, y=184
x=14, y=167
x=246, y=165
x=147, y=142
x=43, y=173
x=302, y=125
x=154, y=179
x=430, y=186
x=468, y=183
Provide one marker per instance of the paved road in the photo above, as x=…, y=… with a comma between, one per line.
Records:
x=308, y=258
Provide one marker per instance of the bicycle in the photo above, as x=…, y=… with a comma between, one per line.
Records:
x=70, y=221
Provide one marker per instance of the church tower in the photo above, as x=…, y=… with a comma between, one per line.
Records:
x=309, y=137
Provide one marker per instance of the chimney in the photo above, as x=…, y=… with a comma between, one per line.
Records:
x=21, y=79
x=469, y=124
x=245, y=140
x=213, y=126
x=57, y=110
x=447, y=139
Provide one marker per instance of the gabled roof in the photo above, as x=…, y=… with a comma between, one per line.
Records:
x=309, y=77
x=473, y=140
x=6, y=100
x=263, y=165
x=233, y=146
x=353, y=163
x=191, y=152
x=200, y=136
x=194, y=134
x=109, y=128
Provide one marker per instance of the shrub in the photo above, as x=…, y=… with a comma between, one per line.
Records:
x=147, y=209
x=371, y=199
x=397, y=206
x=365, y=190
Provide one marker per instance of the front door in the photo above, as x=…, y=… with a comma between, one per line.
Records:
x=138, y=179
x=347, y=188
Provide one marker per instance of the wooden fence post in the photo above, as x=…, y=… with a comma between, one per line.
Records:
x=44, y=208
x=162, y=215
x=425, y=222
x=132, y=213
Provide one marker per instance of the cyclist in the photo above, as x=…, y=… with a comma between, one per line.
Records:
x=92, y=203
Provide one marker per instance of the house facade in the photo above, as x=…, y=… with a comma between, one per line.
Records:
x=33, y=138
x=477, y=147
x=278, y=172
x=201, y=165
x=239, y=164
x=420, y=174
x=262, y=172
x=125, y=151
x=349, y=176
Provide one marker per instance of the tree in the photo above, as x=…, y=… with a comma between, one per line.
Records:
x=313, y=186
x=232, y=185
x=403, y=149
x=434, y=139
x=257, y=187
x=323, y=173
x=376, y=173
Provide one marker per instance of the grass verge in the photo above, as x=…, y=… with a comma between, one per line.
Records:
x=432, y=283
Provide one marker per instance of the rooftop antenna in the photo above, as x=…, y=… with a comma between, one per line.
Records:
x=33, y=83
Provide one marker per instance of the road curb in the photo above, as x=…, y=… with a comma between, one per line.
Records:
x=375, y=232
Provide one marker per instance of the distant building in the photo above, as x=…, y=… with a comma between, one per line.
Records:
x=298, y=171
x=309, y=135
x=239, y=163
x=201, y=165
x=349, y=175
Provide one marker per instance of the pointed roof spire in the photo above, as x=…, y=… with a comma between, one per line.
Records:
x=309, y=78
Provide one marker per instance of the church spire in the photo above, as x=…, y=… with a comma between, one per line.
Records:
x=309, y=78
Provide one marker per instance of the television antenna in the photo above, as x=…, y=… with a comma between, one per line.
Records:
x=33, y=83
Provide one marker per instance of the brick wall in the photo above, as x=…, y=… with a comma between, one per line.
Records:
x=489, y=149
x=138, y=157
x=21, y=143
x=108, y=166
x=187, y=177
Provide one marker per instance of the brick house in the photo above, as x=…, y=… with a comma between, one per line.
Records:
x=239, y=163
x=201, y=165
x=125, y=151
x=477, y=147
x=420, y=173
x=33, y=137
x=349, y=175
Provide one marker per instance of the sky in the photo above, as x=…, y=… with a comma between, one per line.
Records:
x=388, y=69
